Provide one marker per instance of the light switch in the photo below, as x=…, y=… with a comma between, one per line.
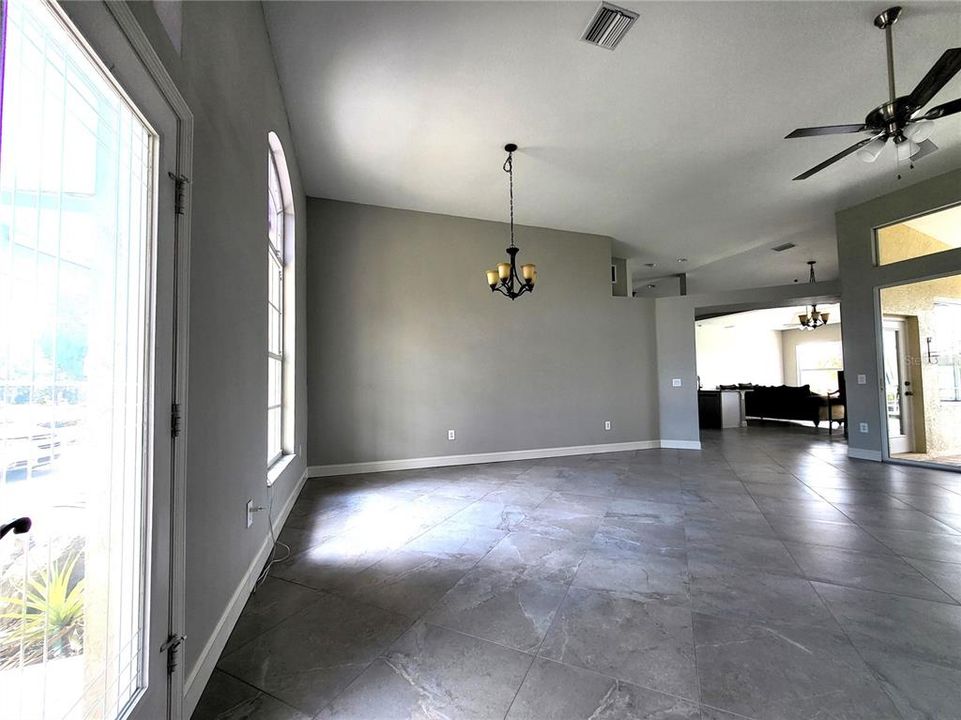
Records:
x=862, y=379
x=863, y=427
x=676, y=382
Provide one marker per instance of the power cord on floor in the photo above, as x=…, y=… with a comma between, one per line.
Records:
x=272, y=558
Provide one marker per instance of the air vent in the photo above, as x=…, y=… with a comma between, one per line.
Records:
x=782, y=248
x=609, y=26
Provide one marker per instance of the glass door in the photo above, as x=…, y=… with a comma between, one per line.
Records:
x=85, y=380
x=922, y=362
x=897, y=387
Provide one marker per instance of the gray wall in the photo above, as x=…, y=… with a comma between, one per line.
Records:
x=861, y=280
x=226, y=74
x=407, y=341
x=620, y=288
x=677, y=358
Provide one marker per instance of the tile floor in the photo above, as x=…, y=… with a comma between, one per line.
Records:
x=766, y=576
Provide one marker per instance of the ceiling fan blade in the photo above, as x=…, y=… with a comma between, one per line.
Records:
x=825, y=130
x=938, y=76
x=927, y=147
x=940, y=111
x=830, y=161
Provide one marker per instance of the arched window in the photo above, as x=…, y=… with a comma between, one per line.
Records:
x=280, y=223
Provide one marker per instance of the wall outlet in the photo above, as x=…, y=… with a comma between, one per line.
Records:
x=863, y=427
x=607, y=424
x=250, y=513
x=451, y=435
x=862, y=379
x=676, y=382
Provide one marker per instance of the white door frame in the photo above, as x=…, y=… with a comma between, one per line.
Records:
x=155, y=70
x=905, y=442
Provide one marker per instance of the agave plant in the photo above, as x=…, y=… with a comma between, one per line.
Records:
x=49, y=608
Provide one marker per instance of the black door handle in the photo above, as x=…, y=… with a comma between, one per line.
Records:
x=17, y=527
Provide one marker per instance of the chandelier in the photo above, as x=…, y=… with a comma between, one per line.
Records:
x=812, y=319
x=505, y=279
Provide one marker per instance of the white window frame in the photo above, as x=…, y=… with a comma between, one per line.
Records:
x=279, y=251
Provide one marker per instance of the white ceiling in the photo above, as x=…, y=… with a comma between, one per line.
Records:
x=782, y=318
x=672, y=144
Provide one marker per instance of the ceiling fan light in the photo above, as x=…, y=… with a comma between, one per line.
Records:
x=869, y=153
x=919, y=131
x=907, y=148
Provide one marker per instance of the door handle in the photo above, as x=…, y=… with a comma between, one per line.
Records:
x=17, y=527
x=908, y=392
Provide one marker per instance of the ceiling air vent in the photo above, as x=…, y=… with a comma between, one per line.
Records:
x=782, y=248
x=608, y=26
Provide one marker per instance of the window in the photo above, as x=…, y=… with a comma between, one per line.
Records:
x=947, y=344
x=279, y=234
x=78, y=279
x=929, y=234
x=818, y=364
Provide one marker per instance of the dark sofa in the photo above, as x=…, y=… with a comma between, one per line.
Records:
x=785, y=402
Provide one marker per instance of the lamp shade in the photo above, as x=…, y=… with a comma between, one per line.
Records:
x=528, y=271
x=504, y=270
x=907, y=149
x=919, y=131
x=492, y=277
x=869, y=153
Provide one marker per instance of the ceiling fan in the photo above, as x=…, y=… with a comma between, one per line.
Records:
x=898, y=119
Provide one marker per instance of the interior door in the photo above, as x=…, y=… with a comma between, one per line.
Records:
x=86, y=366
x=897, y=387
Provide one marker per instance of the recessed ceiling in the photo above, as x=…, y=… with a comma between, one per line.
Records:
x=672, y=144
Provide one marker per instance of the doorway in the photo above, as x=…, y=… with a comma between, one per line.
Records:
x=88, y=351
x=898, y=395
x=921, y=344
x=793, y=375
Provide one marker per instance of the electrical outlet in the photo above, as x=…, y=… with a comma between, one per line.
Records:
x=607, y=424
x=676, y=382
x=451, y=435
x=862, y=379
x=250, y=513
x=863, y=427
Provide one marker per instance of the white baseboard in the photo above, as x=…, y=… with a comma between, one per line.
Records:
x=681, y=444
x=315, y=471
x=200, y=673
x=859, y=454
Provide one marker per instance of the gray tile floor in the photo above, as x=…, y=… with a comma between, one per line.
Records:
x=766, y=576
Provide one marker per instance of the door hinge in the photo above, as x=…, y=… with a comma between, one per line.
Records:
x=180, y=190
x=175, y=420
x=172, y=647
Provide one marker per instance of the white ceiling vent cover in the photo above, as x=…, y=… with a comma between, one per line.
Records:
x=609, y=26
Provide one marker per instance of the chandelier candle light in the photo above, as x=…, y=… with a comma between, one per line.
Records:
x=505, y=279
x=814, y=319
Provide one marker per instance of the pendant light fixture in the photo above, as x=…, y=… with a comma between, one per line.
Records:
x=505, y=279
x=812, y=319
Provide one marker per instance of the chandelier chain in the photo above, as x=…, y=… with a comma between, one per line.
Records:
x=509, y=169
